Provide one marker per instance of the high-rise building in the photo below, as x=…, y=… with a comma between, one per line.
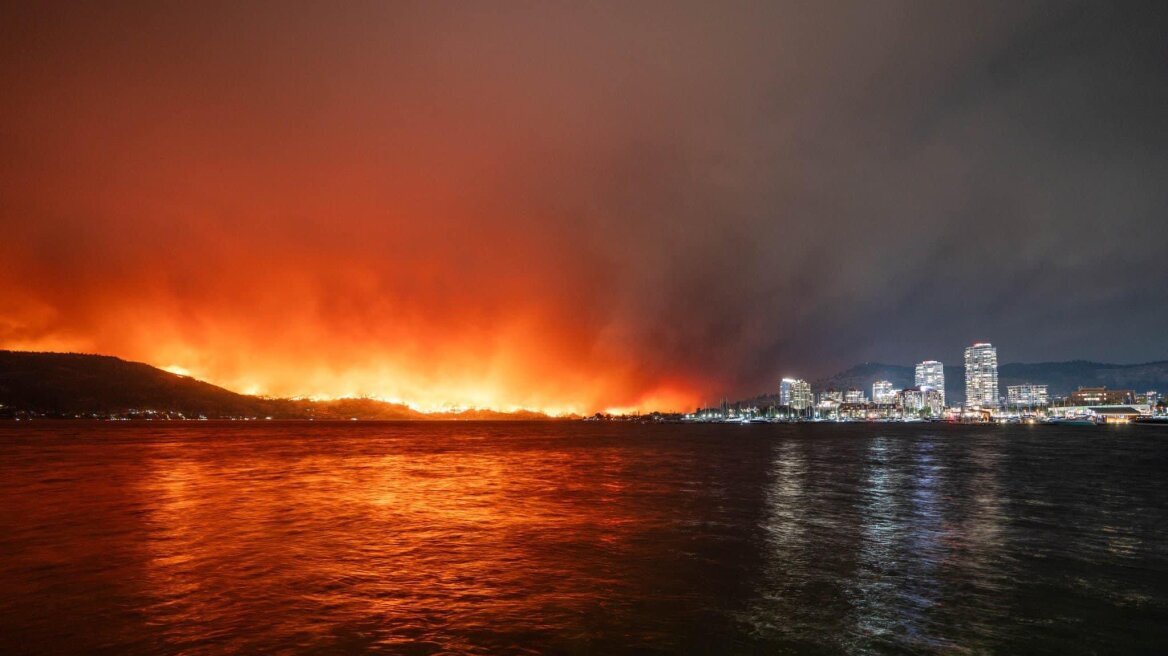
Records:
x=883, y=392
x=1026, y=395
x=795, y=394
x=855, y=396
x=931, y=374
x=981, y=376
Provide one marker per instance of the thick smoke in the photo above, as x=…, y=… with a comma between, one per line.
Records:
x=580, y=207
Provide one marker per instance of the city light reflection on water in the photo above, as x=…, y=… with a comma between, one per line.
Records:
x=569, y=537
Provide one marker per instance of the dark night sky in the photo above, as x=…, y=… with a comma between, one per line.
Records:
x=581, y=206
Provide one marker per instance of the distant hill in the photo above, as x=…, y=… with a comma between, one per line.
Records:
x=862, y=376
x=1065, y=377
x=74, y=384
x=361, y=409
x=1061, y=378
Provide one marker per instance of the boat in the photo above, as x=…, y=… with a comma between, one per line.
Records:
x=1071, y=421
x=1154, y=421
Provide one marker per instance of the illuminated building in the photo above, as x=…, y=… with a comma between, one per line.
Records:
x=795, y=394
x=931, y=374
x=855, y=396
x=1026, y=395
x=1102, y=396
x=981, y=376
x=915, y=399
x=883, y=392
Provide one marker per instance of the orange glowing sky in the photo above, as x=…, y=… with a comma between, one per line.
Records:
x=381, y=203
x=566, y=207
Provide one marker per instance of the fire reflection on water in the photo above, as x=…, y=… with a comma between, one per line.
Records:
x=382, y=549
x=578, y=537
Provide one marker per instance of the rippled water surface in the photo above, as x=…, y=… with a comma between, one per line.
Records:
x=581, y=538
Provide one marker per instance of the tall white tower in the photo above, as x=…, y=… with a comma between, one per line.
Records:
x=795, y=393
x=931, y=374
x=981, y=375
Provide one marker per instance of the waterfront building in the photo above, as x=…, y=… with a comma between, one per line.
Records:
x=855, y=396
x=795, y=393
x=829, y=403
x=931, y=373
x=934, y=401
x=868, y=412
x=883, y=392
x=831, y=397
x=1110, y=413
x=981, y=376
x=915, y=399
x=1102, y=396
x=1027, y=395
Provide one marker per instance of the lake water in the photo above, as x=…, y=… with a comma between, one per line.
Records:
x=419, y=538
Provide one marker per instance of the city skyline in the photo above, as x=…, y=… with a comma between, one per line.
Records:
x=985, y=399
x=983, y=392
